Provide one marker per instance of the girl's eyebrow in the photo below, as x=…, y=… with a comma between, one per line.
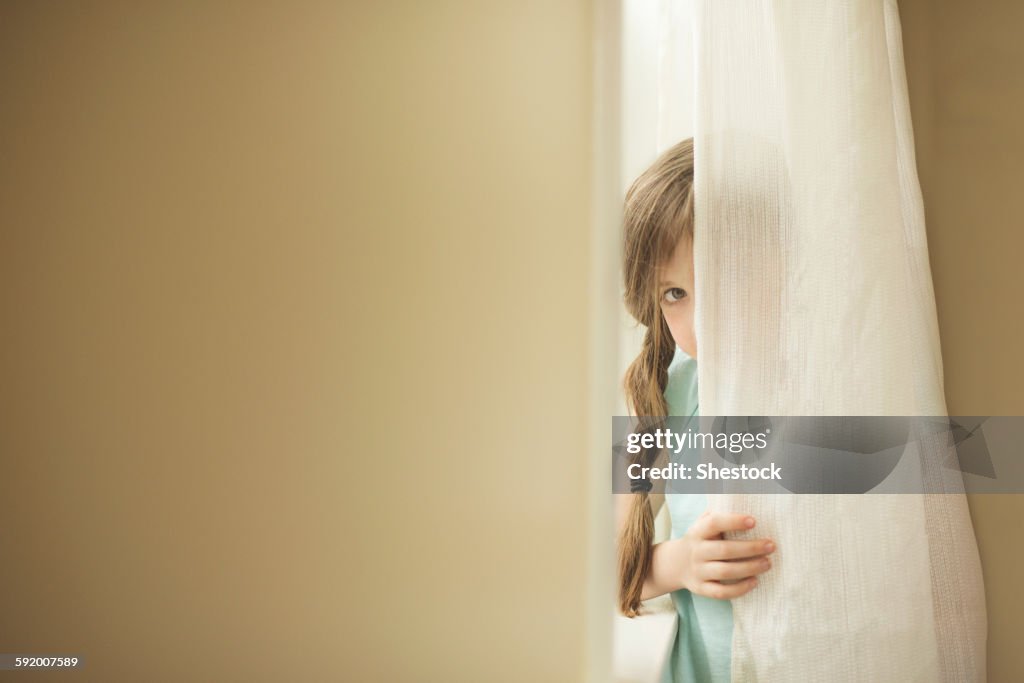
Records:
x=668, y=282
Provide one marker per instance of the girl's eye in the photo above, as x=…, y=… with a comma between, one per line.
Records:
x=674, y=294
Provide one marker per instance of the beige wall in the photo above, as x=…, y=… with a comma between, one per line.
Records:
x=294, y=307
x=965, y=65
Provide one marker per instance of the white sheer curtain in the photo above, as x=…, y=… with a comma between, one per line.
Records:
x=814, y=297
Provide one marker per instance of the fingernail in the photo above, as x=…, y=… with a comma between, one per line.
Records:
x=769, y=547
x=750, y=521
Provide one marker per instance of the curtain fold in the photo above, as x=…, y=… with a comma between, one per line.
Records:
x=814, y=297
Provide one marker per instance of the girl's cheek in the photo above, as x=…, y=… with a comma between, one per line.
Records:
x=676, y=320
x=680, y=322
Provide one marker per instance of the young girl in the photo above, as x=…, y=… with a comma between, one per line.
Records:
x=700, y=569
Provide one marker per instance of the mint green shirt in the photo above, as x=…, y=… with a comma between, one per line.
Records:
x=702, y=650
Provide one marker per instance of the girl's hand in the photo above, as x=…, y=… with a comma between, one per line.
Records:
x=707, y=564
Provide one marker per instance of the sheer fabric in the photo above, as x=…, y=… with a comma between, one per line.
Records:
x=814, y=297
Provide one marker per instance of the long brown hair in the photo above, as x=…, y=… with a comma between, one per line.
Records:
x=658, y=213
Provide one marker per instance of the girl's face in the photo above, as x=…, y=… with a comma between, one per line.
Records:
x=675, y=293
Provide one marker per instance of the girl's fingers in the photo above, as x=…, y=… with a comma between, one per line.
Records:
x=719, y=571
x=712, y=524
x=725, y=591
x=733, y=550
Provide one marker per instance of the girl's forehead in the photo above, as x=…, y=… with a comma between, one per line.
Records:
x=681, y=258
